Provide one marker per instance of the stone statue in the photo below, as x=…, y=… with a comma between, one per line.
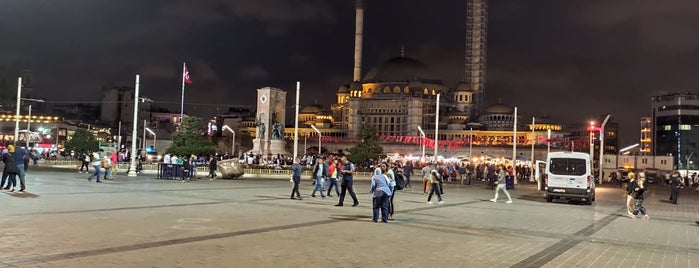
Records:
x=277, y=131
x=260, y=126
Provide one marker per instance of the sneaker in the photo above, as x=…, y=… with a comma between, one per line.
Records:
x=357, y=204
x=429, y=202
x=6, y=188
x=12, y=190
x=632, y=216
x=22, y=190
x=441, y=202
x=493, y=200
x=645, y=217
x=509, y=201
x=338, y=205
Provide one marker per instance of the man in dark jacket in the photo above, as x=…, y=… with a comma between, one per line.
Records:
x=675, y=185
x=10, y=171
x=20, y=156
x=212, y=166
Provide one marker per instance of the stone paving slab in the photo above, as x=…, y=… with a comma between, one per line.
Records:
x=67, y=222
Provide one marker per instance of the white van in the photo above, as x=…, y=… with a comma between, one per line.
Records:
x=569, y=175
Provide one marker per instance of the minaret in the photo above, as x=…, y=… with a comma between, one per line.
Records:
x=358, y=32
x=476, y=49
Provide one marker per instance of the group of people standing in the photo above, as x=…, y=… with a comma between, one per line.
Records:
x=16, y=161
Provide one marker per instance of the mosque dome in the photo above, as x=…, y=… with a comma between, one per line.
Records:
x=313, y=109
x=463, y=86
x=499, y=109
x=343, y=89
x=401, y=69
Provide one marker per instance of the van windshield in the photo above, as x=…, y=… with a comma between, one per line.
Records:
x=567, y=166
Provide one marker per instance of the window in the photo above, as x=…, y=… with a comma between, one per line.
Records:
x=396, y=89
x=425, y=91
x=406, y=90
x=386, y=90
x=667, y=127
x=567, y=166
x=685, y=127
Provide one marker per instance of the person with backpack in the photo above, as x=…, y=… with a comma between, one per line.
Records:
x=380, y=192
x=434, y=182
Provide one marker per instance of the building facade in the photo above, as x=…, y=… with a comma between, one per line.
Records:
x=676, y=128
x=646, y=136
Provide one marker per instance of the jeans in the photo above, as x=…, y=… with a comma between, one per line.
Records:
x=11, y=180
x=390, y=204
x=380, y=203
x=97, y=174
x=346, y=185
x=295, y=190
x=407, y=181
x=674, y=194
x=502, y=187
x=434, y=189
x=333, y=182
x=318, y=187
x=21, y=174
x=107, y=173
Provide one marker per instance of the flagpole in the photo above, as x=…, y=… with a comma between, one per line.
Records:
x=184, y=67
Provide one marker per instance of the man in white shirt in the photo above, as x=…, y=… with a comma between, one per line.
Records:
x=426, y=178
x=166, y=159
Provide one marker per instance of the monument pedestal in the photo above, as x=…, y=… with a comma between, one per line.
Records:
x=269, y=147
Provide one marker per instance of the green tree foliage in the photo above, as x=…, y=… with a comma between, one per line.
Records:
x=82, y=141
x=367, y=147
x=191, y=140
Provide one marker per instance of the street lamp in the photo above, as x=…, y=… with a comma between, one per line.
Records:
x=601, y=146
x=319, y=137
x=134, y=131
x=226, y=127
x=592, y=140
x=422, y=141
x=19, y=104
x=154, y=136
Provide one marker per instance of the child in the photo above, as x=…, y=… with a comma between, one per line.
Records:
x=638, y=194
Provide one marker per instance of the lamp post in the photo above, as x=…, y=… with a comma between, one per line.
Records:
x=548, y=141
x=29, y=123
x=134, y=131
x=154, y=137
x=687, y=162
x=601, y=146
x=319, y=137
x=19, y=101
x=514, y=148
x=29, y=119
x=470, y=144
x=296, y=121
x=422, y=143
x=143, y=141
x=436, y=130
x=592, y=143
x=226, y=127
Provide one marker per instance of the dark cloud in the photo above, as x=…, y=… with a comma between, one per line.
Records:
x=572, y=59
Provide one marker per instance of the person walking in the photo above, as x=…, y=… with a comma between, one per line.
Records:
x=333, y=174
x=393, y=171
x=107, y=166
x=380, y=192
x=407, y=172
x=21, y=160
x=501, y=185
x=629, y=193
x=347, y=181
x=434, y=188
x=85, y=162
x=296, y=178
x=675, y=186
x=320, y=172
x=10, y=171
x=212, y=166
x=638, y=195
x=426, y=176
x=96, y=163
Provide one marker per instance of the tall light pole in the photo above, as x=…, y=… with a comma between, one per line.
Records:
x=514, y=148
x=601, y=146
x=226, y=127
x=687, y=168
x=296, y=121
x=319, y=137
x=154, y=137
x=533, y=142
x=19, y=101
x=470, y=144
x=134, y=131
x=143, y=142
x=548, y=141
x=422, y=143
x=592, y=142
x=29, y=123
x=436, y=130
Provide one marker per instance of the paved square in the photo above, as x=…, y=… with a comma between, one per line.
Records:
x=64, y=221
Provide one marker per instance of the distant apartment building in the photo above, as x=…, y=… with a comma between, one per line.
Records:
x=676, y=128
x=646, y=136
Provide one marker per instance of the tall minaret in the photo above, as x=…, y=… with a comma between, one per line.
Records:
x=476, y=49
x=358, y=29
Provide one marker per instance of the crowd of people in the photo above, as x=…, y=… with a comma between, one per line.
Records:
x=16, y=162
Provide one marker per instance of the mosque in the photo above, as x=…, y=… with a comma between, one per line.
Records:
x=399, y=98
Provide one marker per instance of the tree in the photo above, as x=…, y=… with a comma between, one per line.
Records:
x=367, y=148
x=191, y=140
x=82, y=141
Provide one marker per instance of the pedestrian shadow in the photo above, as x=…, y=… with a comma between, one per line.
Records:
x=665, y=201
x=533, y=198
x=350, y=217
x=23, y=195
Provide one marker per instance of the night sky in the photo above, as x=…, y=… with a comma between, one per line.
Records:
x=570, y=59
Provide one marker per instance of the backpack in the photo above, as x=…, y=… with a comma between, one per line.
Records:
x=400, y=182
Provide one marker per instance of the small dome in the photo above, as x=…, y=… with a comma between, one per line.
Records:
x=355, y=86
x=499, y=109
x=312, y=109
x=463, y=86
x=343, y=89
x=457, y=121
x=456, y=112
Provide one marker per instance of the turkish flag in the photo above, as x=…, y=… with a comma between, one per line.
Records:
x=185, y=73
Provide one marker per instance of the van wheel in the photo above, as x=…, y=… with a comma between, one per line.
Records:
x=549, y=198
